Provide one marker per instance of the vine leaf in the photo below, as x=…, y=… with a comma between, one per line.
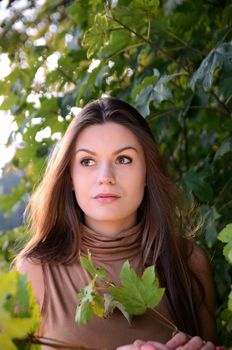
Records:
x=133, y=298
x=137, y=294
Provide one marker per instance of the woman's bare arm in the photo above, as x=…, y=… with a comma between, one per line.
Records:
x=199, y=264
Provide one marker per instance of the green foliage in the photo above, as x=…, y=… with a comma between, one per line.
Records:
x=134, y=297
x=219, y=57
x=137, y=294
x=96, y=36
x=87, y=264
x=171, y=60
x=226, y=237
x=19, y=310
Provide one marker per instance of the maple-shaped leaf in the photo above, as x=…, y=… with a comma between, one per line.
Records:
x=137, y=294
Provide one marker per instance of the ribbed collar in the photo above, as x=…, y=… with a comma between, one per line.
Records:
x=127, y=244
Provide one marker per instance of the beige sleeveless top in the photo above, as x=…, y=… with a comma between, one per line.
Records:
x=62, y=283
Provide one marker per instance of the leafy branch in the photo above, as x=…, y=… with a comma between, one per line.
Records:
x=133, y=297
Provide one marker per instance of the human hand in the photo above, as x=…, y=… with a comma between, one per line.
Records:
x=144, y=345
x=179, y=342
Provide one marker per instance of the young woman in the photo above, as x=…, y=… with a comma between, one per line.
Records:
x=106, y=190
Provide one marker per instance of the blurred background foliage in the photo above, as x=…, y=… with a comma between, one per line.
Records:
x=171, y=59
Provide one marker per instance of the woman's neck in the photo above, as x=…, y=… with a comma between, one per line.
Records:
x=110, y=228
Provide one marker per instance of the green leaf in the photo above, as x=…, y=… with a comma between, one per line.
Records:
x=230, y=301
x=226, y=147
x=137, y=294
x=227, y=251
x=225, y=235
x=18, y=308
x=147, y=81
x=87, y=264
x=150, y=290
x=196, y=184
x=96, y=36
x=153, y=91
x=90, y=303
x=118, y=41
x=110, y=304
x=136, y=13
x=219, y=57
x=84, y=313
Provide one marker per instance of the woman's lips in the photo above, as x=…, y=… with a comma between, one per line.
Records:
x=106, y=197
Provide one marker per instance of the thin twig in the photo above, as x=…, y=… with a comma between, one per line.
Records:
x=169, y=324
x=222, y=104
x=185, y=44
x=147, y=41
x=58, y=344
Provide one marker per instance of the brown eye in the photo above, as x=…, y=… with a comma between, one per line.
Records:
x=124, y=160
x=87, y=162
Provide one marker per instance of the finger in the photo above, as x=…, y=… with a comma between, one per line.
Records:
x=208, y=346
x=128, y=347
x=139, y=342
x=194, y=343
x=157, y=345
x=148, y=346
x=178, y=340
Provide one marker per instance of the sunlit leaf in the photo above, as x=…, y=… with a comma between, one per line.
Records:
x=96, y=36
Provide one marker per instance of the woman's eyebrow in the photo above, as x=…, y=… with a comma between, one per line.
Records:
x=126, y=148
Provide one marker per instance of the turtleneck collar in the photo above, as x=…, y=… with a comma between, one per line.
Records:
x=126, y=245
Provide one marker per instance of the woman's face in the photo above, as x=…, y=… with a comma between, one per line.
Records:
x=108, y=174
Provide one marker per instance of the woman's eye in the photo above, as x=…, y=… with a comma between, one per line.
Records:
x=87, y=162
x=124, y=160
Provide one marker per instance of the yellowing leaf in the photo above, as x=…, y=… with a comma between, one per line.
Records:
x=97, y=308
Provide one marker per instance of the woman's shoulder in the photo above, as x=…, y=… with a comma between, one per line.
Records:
x=198, y=260
x=34, y=271
x=28, y=266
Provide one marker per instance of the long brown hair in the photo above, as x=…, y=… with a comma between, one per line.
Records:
x=55, y=218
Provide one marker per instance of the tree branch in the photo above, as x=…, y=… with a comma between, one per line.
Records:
x=147, y=41
x=223, y=105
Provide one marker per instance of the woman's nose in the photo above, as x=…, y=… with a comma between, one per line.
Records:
x=106, y=175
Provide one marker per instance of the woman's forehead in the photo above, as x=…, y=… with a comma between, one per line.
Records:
x=106, y=134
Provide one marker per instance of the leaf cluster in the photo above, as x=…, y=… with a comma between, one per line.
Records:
x=133, y=297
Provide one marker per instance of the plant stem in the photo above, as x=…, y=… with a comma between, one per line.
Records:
x=224, y=107
x=170, y=324
x=57, y=344
x=146, y=40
